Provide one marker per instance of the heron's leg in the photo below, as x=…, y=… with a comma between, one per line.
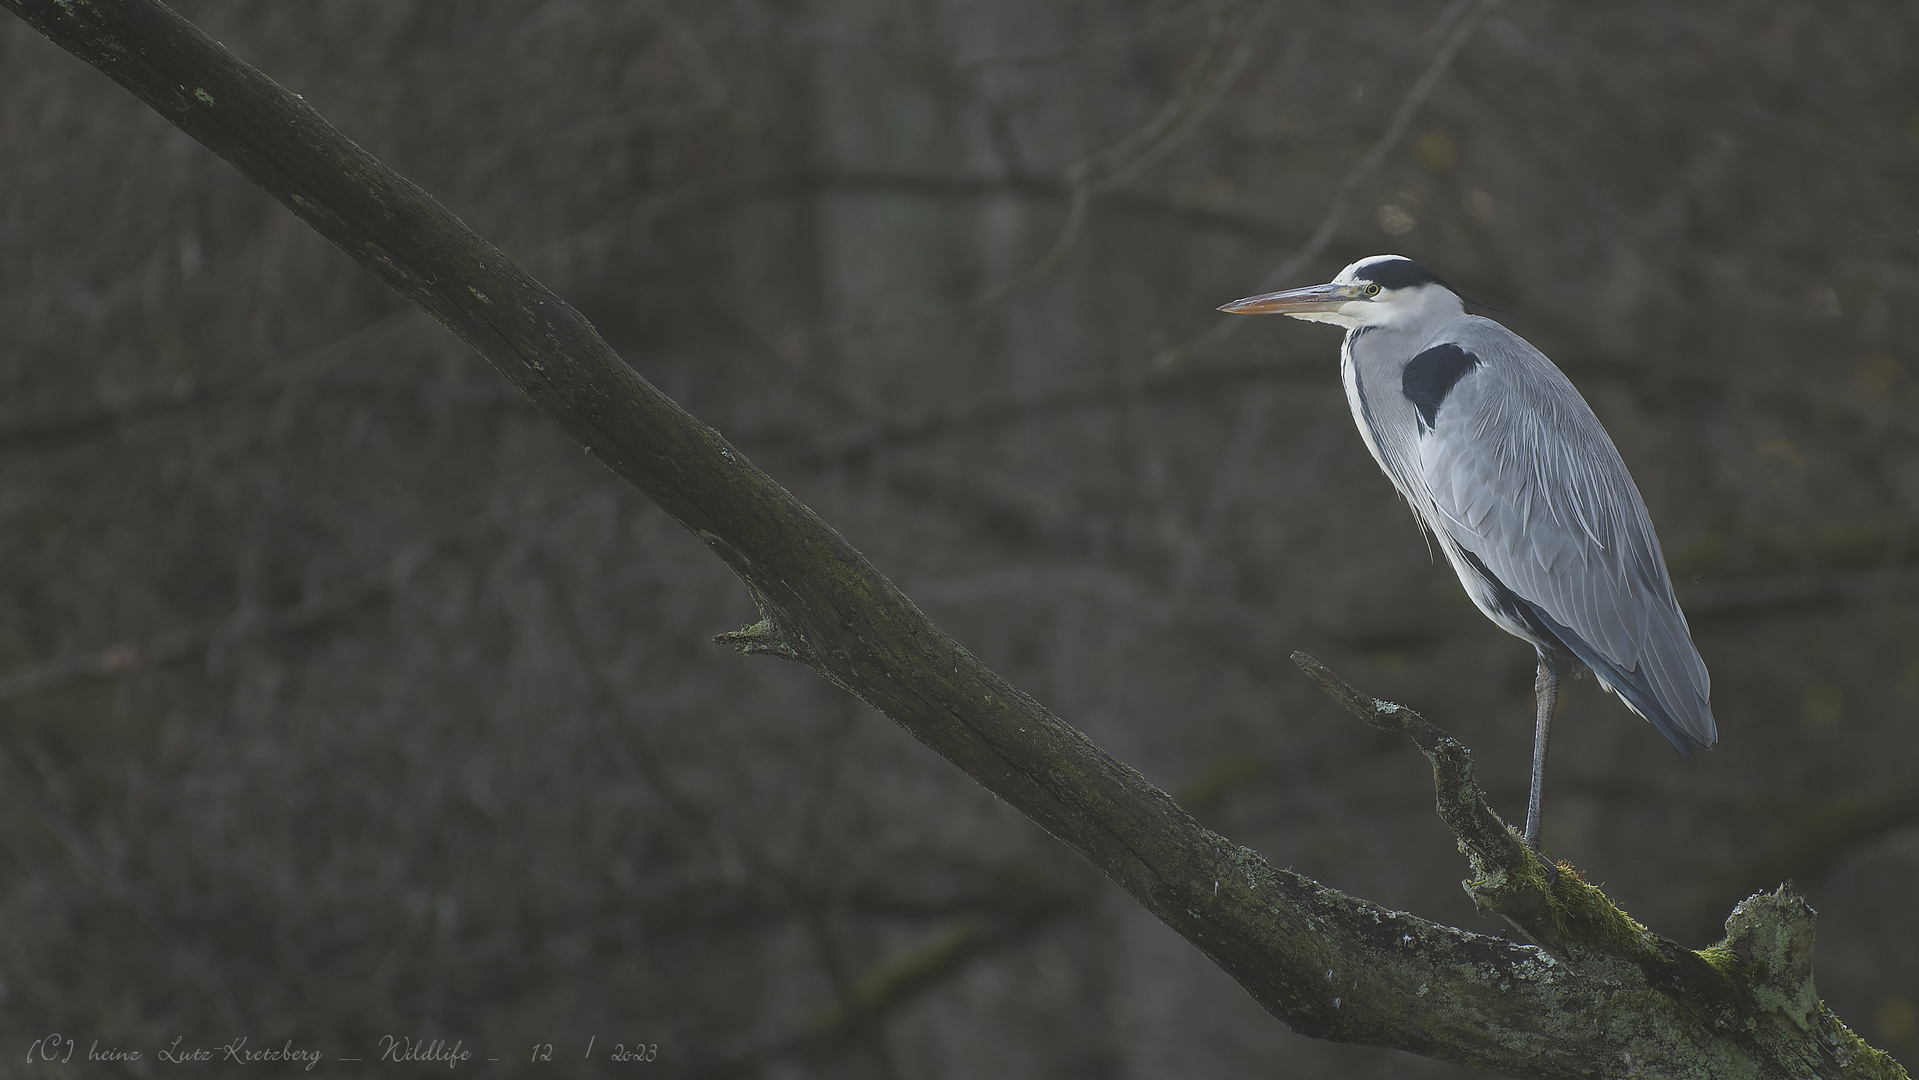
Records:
x=1546, y=699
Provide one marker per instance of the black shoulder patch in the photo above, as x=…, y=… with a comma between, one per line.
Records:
x=1398, y=274
x=1430, y=376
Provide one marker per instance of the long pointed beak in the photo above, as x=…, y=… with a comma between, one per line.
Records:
x=1326, y=297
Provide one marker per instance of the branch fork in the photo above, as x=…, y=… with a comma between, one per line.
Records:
x=1762, y=968
x=1598, y=996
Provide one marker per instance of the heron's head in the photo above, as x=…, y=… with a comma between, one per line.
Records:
x=1379, y=290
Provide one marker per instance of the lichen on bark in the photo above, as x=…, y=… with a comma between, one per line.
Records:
x=1593, y=994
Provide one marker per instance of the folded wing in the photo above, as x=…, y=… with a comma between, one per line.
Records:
x=1523, y=479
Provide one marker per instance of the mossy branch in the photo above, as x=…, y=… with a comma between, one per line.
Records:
x=1598, y=996
x=1761, y=971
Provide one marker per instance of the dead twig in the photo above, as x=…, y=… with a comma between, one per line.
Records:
x=1330, y=965
x=1462, y=31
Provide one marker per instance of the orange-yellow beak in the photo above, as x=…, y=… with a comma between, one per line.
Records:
x=1327, y=297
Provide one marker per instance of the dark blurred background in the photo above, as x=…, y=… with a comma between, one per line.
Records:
x=341, y=696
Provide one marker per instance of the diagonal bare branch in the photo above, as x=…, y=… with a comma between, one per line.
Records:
x=1328, y=964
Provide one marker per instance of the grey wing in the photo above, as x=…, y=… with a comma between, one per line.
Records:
x=1523, y=478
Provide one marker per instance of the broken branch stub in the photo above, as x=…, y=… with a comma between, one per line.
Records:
x=1748, y=987
x=1327, y=964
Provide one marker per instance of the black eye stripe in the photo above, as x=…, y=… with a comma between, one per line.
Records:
x=1398, y=274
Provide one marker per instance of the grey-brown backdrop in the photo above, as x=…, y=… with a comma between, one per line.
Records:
x=342, y=698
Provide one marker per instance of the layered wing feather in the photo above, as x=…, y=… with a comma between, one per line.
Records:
x=1516, y=472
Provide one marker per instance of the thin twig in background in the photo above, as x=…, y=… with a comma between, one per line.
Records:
x=1468, y=23
x=1091, y=48
x=327, y=794
x=1199, y=87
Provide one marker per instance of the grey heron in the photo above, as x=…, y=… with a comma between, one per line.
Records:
x=1508, y=468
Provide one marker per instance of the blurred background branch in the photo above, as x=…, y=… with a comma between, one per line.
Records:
x=1704, y=214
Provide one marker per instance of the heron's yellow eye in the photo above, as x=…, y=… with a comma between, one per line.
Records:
x=1372, y=288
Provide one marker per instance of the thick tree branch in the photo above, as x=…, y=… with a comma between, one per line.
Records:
x=1747, y=990
x=1330, y=965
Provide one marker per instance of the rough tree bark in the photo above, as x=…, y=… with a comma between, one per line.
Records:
x=1592, y=994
